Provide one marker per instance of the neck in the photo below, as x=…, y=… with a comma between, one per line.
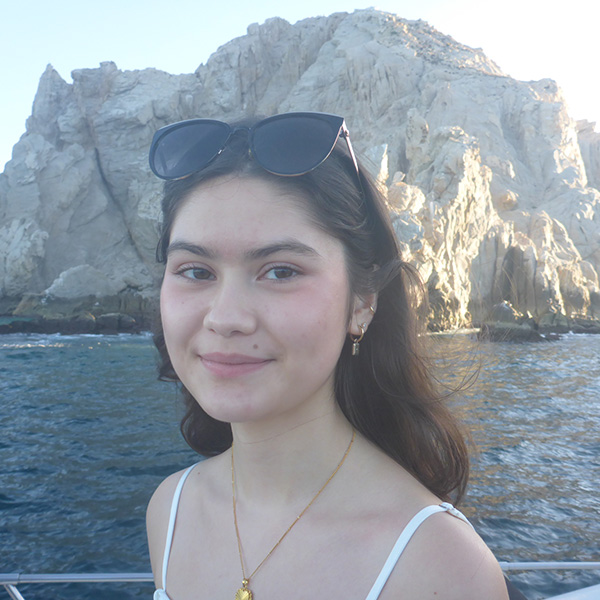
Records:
x=288, y=464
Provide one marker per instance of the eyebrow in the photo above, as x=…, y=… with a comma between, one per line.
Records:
x=181, y=246
x=293, y=246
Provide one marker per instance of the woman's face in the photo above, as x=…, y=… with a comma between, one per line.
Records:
x=255, y=302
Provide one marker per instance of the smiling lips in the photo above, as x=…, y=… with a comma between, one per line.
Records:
x=232, y=365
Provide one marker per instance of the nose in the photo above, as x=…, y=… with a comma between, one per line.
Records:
x=230, y=311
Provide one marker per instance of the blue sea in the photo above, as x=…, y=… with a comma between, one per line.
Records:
x=87, y=433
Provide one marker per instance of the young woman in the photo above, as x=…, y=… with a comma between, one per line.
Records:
x=288, y=317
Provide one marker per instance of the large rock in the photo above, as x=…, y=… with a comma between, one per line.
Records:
x=589, y=142
x=492, y=185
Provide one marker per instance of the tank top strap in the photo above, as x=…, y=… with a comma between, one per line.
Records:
x=171, y=528
x=403, y=540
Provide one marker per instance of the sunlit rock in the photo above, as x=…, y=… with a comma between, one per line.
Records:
x=493, y=187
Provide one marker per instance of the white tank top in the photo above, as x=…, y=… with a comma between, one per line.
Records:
x=384, y=574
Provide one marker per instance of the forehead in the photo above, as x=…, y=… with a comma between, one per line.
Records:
x=247, y=209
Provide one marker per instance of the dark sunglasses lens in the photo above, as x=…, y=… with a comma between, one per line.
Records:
x=188, y=149
x=293, y=145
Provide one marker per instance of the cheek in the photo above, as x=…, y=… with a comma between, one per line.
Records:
x=318, y=320
x=168, y=324
x=167, y=312
x=175, y=315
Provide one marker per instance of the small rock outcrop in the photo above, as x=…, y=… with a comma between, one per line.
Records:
x=493, y=187
x=505, y=324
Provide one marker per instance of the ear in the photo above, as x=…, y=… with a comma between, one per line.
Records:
x=363, y=312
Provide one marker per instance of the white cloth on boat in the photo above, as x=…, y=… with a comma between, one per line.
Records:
x=386, y=571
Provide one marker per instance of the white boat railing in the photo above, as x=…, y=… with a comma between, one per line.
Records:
x=549, y=566
x=10, y=581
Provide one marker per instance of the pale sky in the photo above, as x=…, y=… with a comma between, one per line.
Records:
x=528, y=39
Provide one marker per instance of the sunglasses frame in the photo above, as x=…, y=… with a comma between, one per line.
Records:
x=334, y=121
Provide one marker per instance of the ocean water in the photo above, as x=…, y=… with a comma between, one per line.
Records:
x=87, y=433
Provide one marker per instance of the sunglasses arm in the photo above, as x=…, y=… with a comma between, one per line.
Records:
x=346, y=135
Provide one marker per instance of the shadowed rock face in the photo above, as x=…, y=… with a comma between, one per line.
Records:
x=489, y=180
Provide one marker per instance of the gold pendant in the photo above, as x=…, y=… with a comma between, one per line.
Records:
x=243, y=593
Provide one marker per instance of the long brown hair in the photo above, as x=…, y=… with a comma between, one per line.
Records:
x=387, y=392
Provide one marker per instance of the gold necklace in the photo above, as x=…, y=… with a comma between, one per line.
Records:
x=244, y=593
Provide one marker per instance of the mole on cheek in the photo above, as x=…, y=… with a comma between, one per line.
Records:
x=255, y=346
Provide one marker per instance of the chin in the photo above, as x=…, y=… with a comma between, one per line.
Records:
x=243, y=412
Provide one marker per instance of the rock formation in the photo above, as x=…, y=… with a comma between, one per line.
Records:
x=492, y=185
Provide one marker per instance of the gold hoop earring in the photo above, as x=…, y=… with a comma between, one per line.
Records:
x=356, y=340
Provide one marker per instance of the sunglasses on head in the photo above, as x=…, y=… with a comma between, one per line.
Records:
x=288, y=144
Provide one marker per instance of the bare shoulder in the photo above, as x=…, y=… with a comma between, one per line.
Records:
x=447, y=560
x=157, y=521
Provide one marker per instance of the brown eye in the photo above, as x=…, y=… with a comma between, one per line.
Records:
x=195, y=273
x=281, y=272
